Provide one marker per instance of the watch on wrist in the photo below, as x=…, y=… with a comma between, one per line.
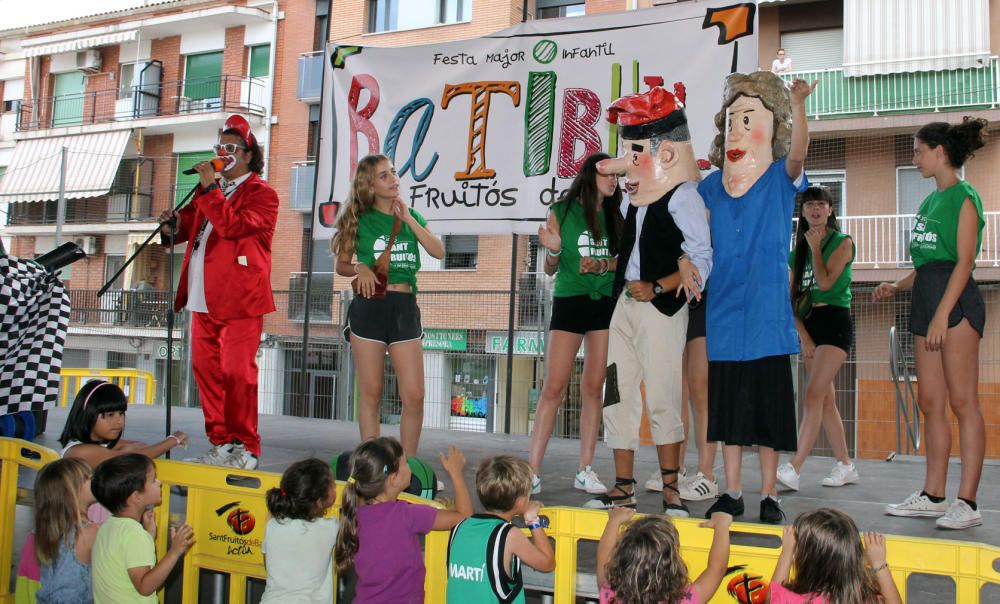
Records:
x=539, y=522
x=657, y=290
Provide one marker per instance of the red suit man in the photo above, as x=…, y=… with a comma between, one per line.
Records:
x=226, y=284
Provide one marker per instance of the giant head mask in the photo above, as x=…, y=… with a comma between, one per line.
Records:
x=656, y=144
x=754, y=128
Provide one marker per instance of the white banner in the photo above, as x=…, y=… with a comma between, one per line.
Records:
x=486, y=133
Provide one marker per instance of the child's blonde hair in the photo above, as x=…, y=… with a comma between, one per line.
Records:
x=501, y=480
x=359, y=200
x=829, y=559
x=646, y=565
x=371, y=464
x=57, y=506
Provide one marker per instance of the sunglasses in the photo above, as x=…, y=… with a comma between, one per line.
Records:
x=228, y=147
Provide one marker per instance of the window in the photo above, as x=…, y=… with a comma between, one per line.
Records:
x=554, y=9
x=812, y=50
x=460, y=251
x=13, y=90
x=126, y=80
x=202, y=74
x=259, y=61
x=392, y=15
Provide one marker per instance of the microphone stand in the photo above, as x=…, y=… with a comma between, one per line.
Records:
x=172, y=223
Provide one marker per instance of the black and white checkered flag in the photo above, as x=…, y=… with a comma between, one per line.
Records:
x=34, y=317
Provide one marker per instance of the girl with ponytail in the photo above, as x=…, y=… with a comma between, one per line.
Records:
x=298, y=540
x=379, y=535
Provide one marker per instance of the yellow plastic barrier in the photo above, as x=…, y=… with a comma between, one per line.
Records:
x=228, y=512
x=126, y=379
x=14, y=453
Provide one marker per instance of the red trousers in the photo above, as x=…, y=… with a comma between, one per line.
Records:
x=224, y=360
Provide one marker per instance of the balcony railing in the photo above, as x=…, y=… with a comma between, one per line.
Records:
x=112, y=208
x=910, y=92
x=129, y=307
x=310, y=81
x=303, y=184
x=182, y=97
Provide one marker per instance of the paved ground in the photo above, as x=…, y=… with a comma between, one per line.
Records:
x=287, y=439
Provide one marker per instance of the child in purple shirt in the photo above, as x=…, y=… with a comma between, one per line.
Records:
x=380, y=535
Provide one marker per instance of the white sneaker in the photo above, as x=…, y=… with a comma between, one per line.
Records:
x=788, y=476
x=841, y=475
x=586, y=480
x=917, y=505
x=216, y=456
x=536, y=484
x=959, y=516
x=240, y=458
x=655, y=482
x=699, y=488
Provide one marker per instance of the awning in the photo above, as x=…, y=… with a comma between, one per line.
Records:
x=895, y=36
x=40, y=47
x=91, y=163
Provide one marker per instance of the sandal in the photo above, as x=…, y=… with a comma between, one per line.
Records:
x=607, y=501
x=676, y=510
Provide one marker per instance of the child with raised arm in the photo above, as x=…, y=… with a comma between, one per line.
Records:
x=125, y=568
x=486, y=551
x=825, y=548
x=380, y=535
x=643, y=563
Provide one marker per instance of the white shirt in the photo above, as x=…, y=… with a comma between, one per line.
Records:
x=778, y=65
x=299, y=560
x=196, y=267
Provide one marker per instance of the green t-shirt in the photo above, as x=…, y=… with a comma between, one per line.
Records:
x=374, y=228
x=121, y=544
x=840, y=293
x=578, y=242
x=476, y=571
x=935, y=231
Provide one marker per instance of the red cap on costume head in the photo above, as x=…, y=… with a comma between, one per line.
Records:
x=241, y=126
x=652, y=112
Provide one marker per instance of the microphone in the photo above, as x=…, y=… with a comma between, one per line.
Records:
x=218, y=164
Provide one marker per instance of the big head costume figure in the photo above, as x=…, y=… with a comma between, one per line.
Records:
x=656, y=144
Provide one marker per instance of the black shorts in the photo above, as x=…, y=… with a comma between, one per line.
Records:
x=389, y=320
x=830, y=326
x=752, y=403
x=696, y=318
x=580, y=314
x=928, y=289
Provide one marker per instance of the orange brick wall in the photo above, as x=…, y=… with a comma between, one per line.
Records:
x=168, y=52
x=605, y=6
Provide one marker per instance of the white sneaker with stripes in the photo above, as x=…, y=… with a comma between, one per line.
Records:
x=699, y=488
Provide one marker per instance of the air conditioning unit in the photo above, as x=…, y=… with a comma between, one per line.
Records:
x=87, y=244
x=89, y=60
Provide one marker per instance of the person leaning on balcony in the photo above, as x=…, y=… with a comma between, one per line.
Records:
x=781, y=64
x=226, y=284
x=376, y=322
x=947, y=318
x=580, y=238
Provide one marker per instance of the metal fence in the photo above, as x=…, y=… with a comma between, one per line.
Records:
x=471, y=381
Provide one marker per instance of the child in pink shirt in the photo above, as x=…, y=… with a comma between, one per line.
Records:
x=825, y=549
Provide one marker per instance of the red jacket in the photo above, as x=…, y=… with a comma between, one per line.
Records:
x=238, y=251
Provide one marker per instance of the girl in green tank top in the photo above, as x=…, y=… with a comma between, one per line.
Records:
x=580, y=239
x=392, y=322
x=946, y=239
x=821, y=263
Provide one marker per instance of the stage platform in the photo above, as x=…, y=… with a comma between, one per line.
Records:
x=287, y=439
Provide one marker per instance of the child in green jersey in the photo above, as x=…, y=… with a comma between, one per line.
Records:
x=947, y=318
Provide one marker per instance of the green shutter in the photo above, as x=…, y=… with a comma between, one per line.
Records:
x=260, y=57
x=202, y=75
x=185, y=182
x=68, y=105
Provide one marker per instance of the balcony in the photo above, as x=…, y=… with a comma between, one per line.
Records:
x=303, y=184
x=229, y=94
x=129, y=307
x=113, y=208
x=310, y=81
x=898, y=93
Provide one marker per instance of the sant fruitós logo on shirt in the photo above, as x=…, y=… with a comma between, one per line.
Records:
x=403, y=256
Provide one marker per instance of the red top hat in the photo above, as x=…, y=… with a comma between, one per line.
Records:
x=242, y=127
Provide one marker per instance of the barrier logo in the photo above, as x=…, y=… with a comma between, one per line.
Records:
x=241, y=522
x=746, y=587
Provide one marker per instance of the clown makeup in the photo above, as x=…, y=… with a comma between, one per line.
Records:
x=749, y=136
x=232, y=150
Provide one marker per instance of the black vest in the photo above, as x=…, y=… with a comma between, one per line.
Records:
x=659, y=248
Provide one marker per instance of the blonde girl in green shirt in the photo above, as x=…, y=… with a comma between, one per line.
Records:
x=392, y=322
x=947, y=318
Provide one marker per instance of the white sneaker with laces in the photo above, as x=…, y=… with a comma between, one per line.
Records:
x=655, y=482
x=788, y=476
x=699, y=488
x=917, y=505
x=216, y=456
x=586, y=480
x=841, y=475
x=241, y=458
x=959, y=516
x=536, y=484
